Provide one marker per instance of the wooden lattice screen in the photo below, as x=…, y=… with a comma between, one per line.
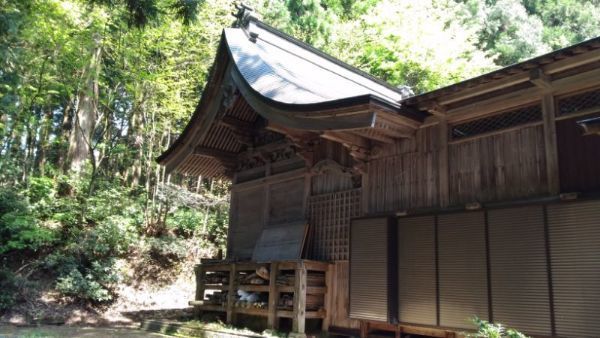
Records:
x=329, y=216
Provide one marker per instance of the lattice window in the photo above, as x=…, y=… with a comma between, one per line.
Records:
x=497, y=122
x=579, y=102
x=329, y=216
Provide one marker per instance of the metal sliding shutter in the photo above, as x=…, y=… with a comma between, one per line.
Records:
x=369, y=259
x=575, y=255
x=462, y=269
x=416, y=270
x=519, y=276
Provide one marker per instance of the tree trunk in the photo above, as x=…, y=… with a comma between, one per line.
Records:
x=80, y=141
x=43, y=141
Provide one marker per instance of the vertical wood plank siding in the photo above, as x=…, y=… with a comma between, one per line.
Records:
x=579, y=155
x=286, y=200
x=404, y=175
x=340, y=314
x=329, y=216
x=574, y=230
x=247, y=221
x=504, y=166
x=518, y=265
x=417, y=270
x=462, y=269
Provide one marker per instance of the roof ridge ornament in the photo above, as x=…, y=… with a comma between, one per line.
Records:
x=244, y=15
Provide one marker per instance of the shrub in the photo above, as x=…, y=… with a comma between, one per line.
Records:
x=167, y=250
x=19, y=229
x=93, y=284
x=8, y=289
x=185, y=222
x=490, y=330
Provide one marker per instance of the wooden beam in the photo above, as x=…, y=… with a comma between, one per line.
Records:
x=550, y=144
x=549, y=69
x=540, y=79
x=223, y=156
x=436, y=109
x=375, y=135
x=525, y=96
x=347, y=139
x=236, y=124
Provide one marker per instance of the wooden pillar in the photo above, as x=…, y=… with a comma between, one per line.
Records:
x=329, y=273
x=231, y=294
x=548, y=111
x=443, y=165
x=200, y=273
x=299, y=320
x=272, y=320
x=364, y=329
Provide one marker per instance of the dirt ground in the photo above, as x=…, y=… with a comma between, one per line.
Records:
x=50, y=331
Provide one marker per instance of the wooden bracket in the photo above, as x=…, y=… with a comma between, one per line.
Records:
x=540, y=79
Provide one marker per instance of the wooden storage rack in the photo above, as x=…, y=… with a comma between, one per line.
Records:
x=300, y=290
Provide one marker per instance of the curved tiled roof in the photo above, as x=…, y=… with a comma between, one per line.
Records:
x=288, y=71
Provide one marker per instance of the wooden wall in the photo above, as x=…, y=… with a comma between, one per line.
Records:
x=579, y=156
x=504, y=166
x=496, y=167
x=246, y=221
x=404, y=175
x=286, y=202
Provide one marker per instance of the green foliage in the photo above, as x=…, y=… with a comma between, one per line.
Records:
x=166, y=250
x=8, y=289
x=92, y=284
x=154, y=62
x=486, y=329
x=19, y=229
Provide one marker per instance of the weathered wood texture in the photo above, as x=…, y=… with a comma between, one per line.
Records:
x=404, y=175
x=329, y=216
x=504, y=166
x=328, y=182
x=579, y=156
x=340, y=309
x=286, y=201
x=247, y=220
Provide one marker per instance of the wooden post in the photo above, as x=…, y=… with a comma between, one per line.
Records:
x=200, y=273
x=548, y=111
x=328, y=296
x=272, y=320
x=364, y=329
x=443, y=165
x=299, y=320
x=231, y=294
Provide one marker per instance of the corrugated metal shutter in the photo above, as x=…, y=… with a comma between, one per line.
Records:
x=416, y=270
x=369, y=269
x=519, y=276
x=575, y=255
x=462, y=269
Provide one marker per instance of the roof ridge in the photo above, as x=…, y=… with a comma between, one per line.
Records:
x=324, y=55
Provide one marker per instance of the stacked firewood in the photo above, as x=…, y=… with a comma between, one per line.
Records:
x=216, y=278
x=217, y=298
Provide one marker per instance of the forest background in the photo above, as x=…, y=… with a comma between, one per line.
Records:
x=92, y=91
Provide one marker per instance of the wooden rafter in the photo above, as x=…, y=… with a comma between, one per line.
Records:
x=226, y=158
